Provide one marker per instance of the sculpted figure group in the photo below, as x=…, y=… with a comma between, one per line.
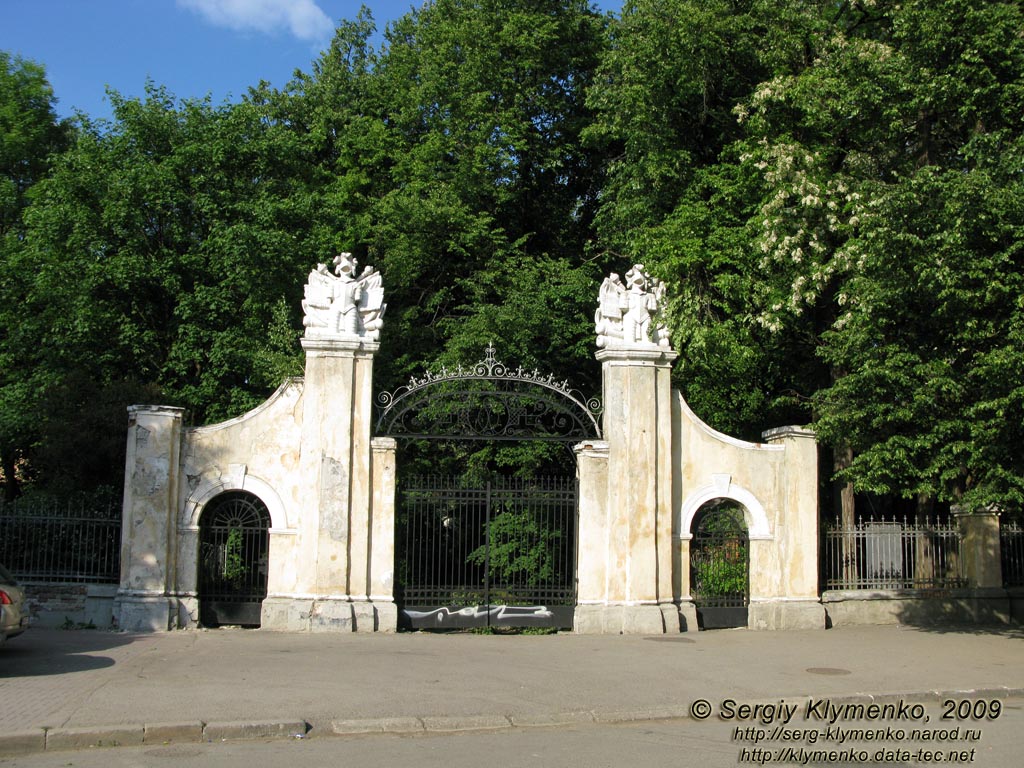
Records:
x=343, y=305
x=629, y=314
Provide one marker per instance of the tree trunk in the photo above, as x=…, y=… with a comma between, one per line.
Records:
x=842, y=457
x=8, y=468
x=924, y=559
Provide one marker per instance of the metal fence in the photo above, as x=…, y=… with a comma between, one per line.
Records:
x=1011, y=540
x=78, y=542
x=506, y=542
x=892, y=554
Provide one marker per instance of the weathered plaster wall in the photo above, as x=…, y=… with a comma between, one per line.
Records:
x=257, y=452
x=68, y=605
x=307, y=454
x=148, y=552
x=776, y=482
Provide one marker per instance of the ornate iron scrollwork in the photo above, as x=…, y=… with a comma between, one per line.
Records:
x=488, y=401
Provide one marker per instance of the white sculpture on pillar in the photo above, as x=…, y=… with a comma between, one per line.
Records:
x=629, y=315
x=342, y=306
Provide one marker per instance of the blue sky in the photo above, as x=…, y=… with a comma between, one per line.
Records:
x=192, y=47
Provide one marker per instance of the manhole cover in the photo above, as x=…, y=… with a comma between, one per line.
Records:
x=827, y=671
x=670, y=639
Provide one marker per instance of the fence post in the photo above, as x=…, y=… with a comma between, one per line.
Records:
x=982, y=566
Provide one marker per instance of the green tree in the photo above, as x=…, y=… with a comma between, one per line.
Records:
x=893, y=220
x=679, y=199
x=159, y=253
x=30, y=134
x=490, y=196
x=832, y=191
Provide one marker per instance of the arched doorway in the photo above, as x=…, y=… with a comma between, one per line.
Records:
x=720, y=565
x=485, y=543
x=233, y=558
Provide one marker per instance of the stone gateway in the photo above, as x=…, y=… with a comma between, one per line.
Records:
x=320, y=487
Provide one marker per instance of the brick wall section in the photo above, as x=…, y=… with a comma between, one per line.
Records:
x=55, y=599
x=54, y=605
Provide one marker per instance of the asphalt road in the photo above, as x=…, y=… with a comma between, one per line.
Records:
x=685, y=742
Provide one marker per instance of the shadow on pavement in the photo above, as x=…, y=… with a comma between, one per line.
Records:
x=957, y=617
x=40, y=652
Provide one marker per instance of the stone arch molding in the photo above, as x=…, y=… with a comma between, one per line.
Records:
x=722, y=487
x=237, y=478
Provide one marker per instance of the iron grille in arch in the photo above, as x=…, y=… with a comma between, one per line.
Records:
x=488, y=401
x=233, y=559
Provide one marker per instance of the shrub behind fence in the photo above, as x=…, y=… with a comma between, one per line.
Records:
x=889, y=554
x=78, y=542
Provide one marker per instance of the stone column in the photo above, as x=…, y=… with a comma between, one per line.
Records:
x=982, y=565
x=381, y=570
x=335, y=460
x=148, y=524
x=340, y=570
x=592, y=535
x=784, y=569
x=636, y=596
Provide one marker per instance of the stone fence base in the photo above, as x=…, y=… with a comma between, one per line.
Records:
x=925, y=608
x=71, y=605
x=786, y=614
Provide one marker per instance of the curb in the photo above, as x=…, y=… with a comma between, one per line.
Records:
x=84, y=737
x=59, y=739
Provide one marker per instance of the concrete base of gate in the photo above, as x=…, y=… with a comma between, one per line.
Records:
x=631, y=620
x=187, y=611
x=786, y=614
x=687, y=616
x=145, y=614
x=332, y=616
x=375, y=616
x=287, y=614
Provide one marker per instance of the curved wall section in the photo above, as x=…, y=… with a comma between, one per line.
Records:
x=776, y=482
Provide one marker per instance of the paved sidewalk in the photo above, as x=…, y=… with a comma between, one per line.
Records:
x=68, y=689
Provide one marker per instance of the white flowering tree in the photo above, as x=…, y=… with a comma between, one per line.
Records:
x=845, y=242
x=893, y=218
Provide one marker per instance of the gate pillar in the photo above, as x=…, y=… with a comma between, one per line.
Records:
x=343, y=578
x=144, y=600
x=339, y=581
x=630, y=538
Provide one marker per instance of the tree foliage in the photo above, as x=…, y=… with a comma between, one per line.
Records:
x=30, y=135
x=832, y=192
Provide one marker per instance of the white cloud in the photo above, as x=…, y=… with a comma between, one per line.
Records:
x=303, y=18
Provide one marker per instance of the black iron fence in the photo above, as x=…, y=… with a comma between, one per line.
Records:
x=893, y=554
x=1011, y=540
x=61, y=542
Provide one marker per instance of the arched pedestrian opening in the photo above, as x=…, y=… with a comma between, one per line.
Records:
x=233, y=559
x=486, y=507
x=720, y=565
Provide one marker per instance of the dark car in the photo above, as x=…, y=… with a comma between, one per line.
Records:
x=13, y=619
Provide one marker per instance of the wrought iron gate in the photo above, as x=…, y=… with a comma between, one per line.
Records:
x=233, y=549
x=501, y=553
x=498, y=553
x=720, y=567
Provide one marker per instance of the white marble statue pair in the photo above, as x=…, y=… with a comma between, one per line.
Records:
x=345, y=306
